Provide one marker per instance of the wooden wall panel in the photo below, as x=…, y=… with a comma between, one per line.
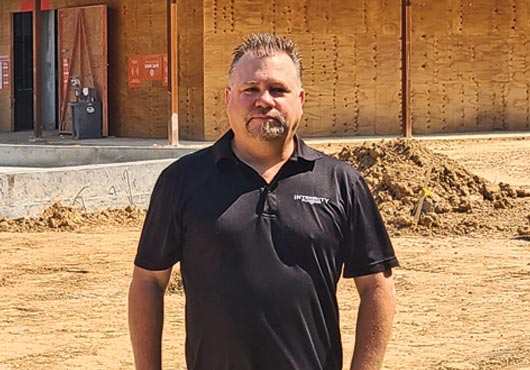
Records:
x=470, y=73
x=140, y=29
x=350, y=53
x=82, y=42
x=470, y=63
x=191, y=69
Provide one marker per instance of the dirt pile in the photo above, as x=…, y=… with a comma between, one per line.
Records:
x=69, y=218
x=400, y=172
x=457, y=202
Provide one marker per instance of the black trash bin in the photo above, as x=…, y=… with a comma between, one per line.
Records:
x=86, y=120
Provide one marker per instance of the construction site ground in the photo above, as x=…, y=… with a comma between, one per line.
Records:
x=463, y=286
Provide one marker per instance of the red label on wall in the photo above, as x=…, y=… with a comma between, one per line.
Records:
x=4, y=73
x=134, y=72
x=147, y=68
x=152, y=68
x=66, y=73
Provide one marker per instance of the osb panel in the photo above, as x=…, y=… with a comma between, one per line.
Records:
x=292, y=17
x=139, y=29
x=470, y=74
x=431, y=16
x=191, y=70
x=350, y=54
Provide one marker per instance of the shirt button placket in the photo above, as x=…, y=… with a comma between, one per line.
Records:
x=270, y=201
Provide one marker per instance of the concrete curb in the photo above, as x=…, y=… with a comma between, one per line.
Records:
x=94, y=187
x=75, y=155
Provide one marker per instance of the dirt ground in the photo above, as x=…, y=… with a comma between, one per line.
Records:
x=463, y=300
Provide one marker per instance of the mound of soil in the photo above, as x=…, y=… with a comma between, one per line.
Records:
x=69, y=218
x=400, y=172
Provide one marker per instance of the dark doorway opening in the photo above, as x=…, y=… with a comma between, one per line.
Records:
x=23, y=70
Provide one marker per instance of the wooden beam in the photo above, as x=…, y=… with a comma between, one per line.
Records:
x=406, y=125
x=37, y=75
x=168, y=38
x=173, y=125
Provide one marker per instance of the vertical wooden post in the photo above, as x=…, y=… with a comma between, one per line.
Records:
x=406, y=33
x=173, y=127
x=168, y=47
x=37, y=75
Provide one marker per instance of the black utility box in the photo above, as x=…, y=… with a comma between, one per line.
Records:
x=86, y=119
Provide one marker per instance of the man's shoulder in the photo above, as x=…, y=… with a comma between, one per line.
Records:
x=191, y=164
x=336, y=167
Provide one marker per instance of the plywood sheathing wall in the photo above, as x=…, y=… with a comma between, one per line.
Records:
x=192, y=70
x=142, y=111
x=470, y=66
x=134, y=28
x=351, y=57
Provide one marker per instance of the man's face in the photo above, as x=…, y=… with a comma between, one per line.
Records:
x=264, y=99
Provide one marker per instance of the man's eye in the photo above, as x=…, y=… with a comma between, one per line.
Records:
x=278, y=90
x=250, y=90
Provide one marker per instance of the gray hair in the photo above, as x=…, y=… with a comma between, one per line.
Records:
x=264, y=45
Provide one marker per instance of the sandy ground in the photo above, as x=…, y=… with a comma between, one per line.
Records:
x=464, y=302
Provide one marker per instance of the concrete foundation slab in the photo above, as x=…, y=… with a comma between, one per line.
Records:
x=93, y=187
x=51, y=156
x=104, y=173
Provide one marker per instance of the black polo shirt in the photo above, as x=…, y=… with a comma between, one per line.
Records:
x=260, y=262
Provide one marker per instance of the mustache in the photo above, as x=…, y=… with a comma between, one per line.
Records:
x=269, y=114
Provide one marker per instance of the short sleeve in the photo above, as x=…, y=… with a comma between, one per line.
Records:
x=160, y=245
x=367, y=247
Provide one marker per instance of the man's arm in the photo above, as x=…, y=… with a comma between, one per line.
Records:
x=146, y=316
x=374, y=321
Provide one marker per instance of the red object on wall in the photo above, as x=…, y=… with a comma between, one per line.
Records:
x=66, y=73
x=27, y=5
x=151, y=68
x=4, y=71
x=147, y=68
x=134, y=71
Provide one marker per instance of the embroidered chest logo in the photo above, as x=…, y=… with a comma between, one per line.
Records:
x=311, y=199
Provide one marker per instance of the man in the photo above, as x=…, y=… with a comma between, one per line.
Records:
x=263, y=225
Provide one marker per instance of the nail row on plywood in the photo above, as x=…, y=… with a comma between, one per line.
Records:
x=294, y=16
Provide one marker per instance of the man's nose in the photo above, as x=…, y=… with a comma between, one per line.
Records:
x=264, y=99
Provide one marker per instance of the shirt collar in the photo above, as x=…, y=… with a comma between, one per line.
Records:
x=222, y=149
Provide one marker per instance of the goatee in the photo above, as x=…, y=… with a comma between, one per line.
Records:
x=269, y=130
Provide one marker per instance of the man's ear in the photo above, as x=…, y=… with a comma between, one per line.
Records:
x=228, y=92
x=301, y=96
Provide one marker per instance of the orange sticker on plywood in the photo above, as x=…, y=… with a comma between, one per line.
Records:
x=66, y=73
x=152, y=68
x=134, y=71
x=4, y=72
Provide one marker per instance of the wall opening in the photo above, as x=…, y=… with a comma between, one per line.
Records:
x=23, y=70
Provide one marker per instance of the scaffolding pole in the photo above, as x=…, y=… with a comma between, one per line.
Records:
x=406, y=125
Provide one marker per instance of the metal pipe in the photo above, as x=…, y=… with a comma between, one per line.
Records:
x=406, y=34
x=37, y=75
x=173, y=128
x=169, y=40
